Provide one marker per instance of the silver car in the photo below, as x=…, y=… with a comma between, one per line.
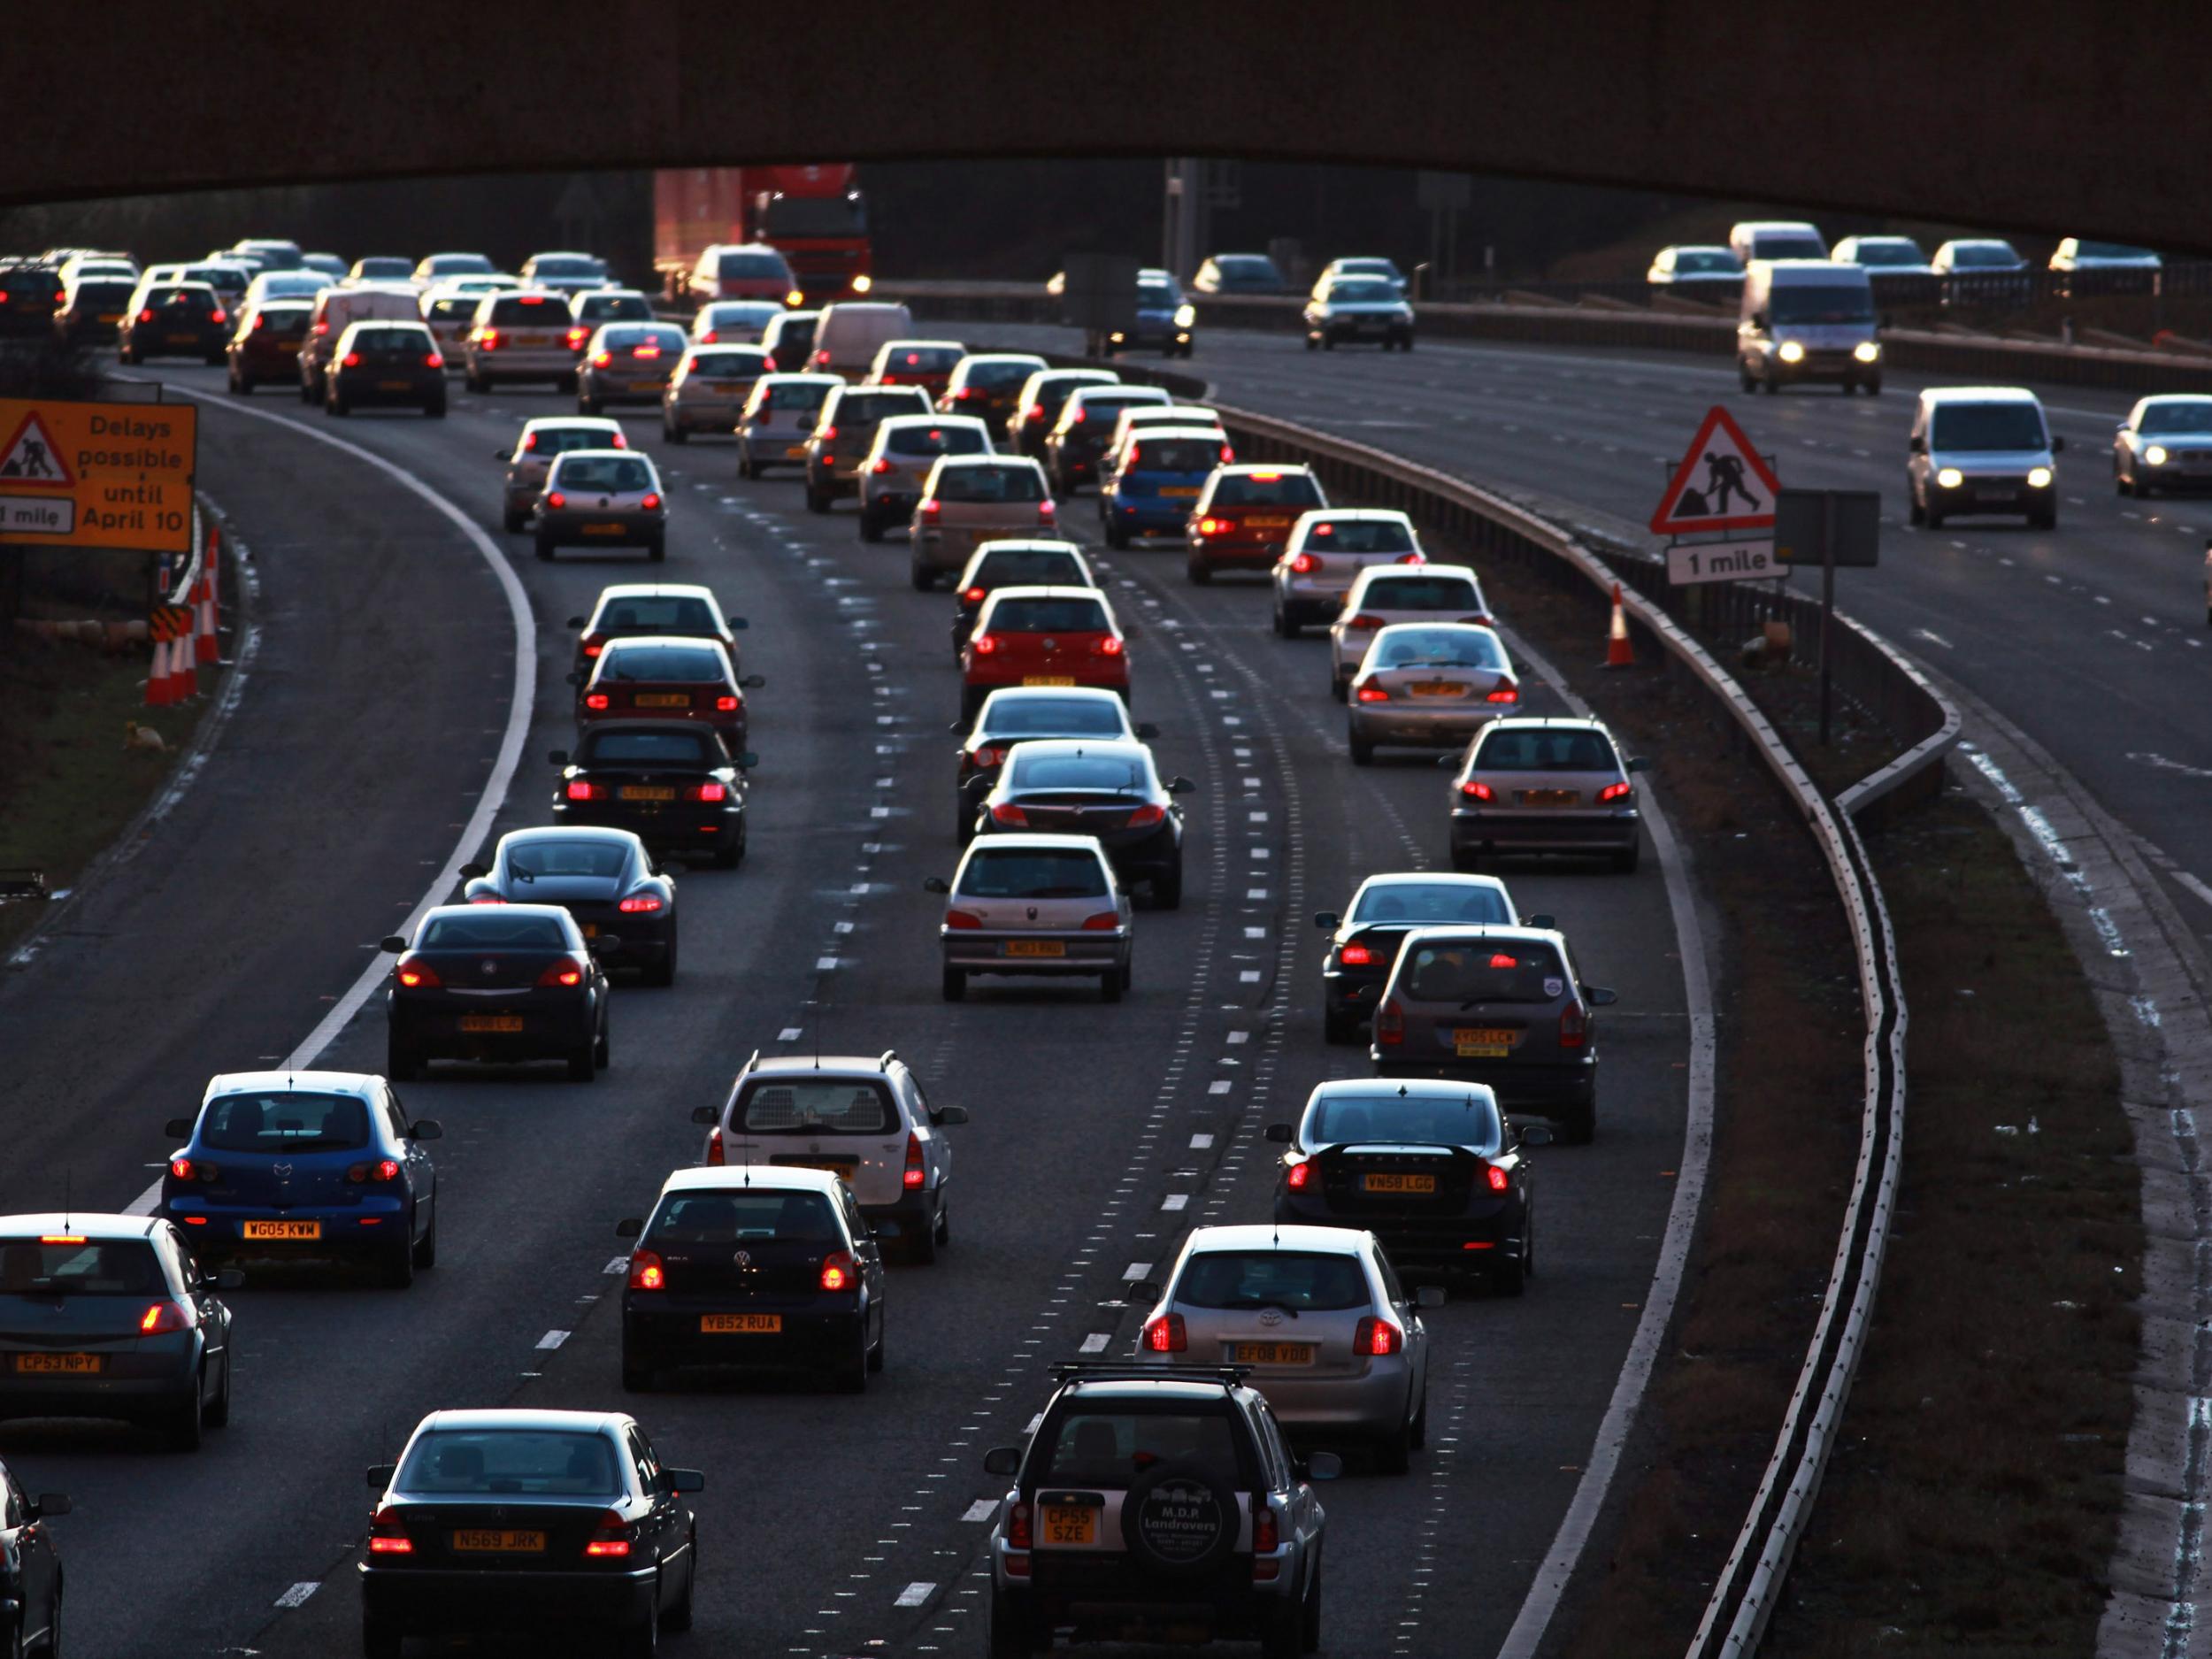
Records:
x=532, y=458
x=898, y=463
x=2165, y=443
x=602, y=498
x=626, y=363
x=1331, y=1337
x=778, y=419
x=970, y=499
x=1354, y=308
x=709, y=389
x=1428, y=685
x=567, y=272
x=1329, y=548
x=1384, y=593
x=521, y=335
x=734, y=322
x=1035, y=904
x=1546, y=785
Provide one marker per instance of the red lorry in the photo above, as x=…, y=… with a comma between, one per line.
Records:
x=813, y=215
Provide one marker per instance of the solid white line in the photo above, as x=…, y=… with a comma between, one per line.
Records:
x=299, y=1593
x=520, y=697
x=2192, y=884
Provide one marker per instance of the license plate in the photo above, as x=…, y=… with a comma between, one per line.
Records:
x=1437, y=688
x=491, y=1022
x=741, y=1324
x=184, y=340
x=59, y=1364
x=1482, y=1042
x=664, y=700
x=110, y=317
x=795, y=452
x=1996, y=495
x=1550, y=797
x=1266, y=523
x=602, y=529
x=1383, y=1182
x=645, y=386
x=1274, y=1353
x=281, y=1229
x=1036, y=948
x=642, y=791
x=492, y=1540
x=1180, y=491
x=1070, y=1523
x=1048, y=680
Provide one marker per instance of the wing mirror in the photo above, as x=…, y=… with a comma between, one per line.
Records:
x=1279, y=1133
x=393, y=942
x=1146, y=729
x=935, y=884
x=737, y=625
x=746, y=761
x=1428, y=1296
x=754, y=682
x=1598, y=996
x=425, y=1129
x=1181, y=785
x=2058, y=443
x=707, y=1114
x=230, y=1279
x=1141, y=1290
x=945, y=1117
x=629, y=1227
x=605, y=944
x=474, y=870
x=1002, y=1459
x=1322, y=1466
x=1539, y=918
x=178, y=1129
x=382, y=1475
x=576, y=622
x=508, y=455
x=682, y=1481
x=49, y=1504
x=1327, y=921
x=558, y=757
x=1916, y=444
x=1532, y=1136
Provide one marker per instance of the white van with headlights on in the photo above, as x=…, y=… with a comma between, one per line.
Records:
x=1808, y=321
x=1981, y=450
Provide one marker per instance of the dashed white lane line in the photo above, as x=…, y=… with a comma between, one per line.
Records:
x=824, y=964
x=1220, y=1085
x=299, y=1593
x=619, y=1264
x=2192, y=884
x=552, y=1339
x=1199, y=1143
x=1135, y=1270
x=1175, y=1200
x=1094, y=1343
x=914, y=1594
x=789, y=1033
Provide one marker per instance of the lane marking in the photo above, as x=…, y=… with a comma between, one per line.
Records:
x=299, y=1593
x=1096, y=1342
x=552, y=1340
x=2192, y=884
x=914, y=1594
x=982, y=1509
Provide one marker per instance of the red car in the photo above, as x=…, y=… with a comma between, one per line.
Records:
x=672, y=677
x=267, y=346
x=1244, y=515
x=1043, y=636
x=927, y=364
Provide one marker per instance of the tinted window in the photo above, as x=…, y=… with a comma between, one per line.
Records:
x=554, y=440
x=1158, y=295
x=1359, y=535
x=1446, y=648
x=529, y=860
x=1987, y=427
x=528, y=311
x=1050, y=716
x=1076, y=772
x=1266, y=489
x=1821, y=303
x=1786, y=245
x=459, y=265
x=1890, y=253
x=1174, y=454
x=1047, y=616
x=567, y=266
x=180, y=299
x=656, y=614
x=1707, y=261
x=1100, y=409
x=1423, y=593
x=732, y=265
x=2110, y=250
x=740, y=1217
x=791, y=330
x=95, y=1267
x=814, y=1106
x=2195, y=416
x=1288, y=1280
x=645, y=343
x=382, y=270
x=866, y=409
x=388, y=341
x=1984, y=254
x=524, y=1462
x=1466, y=1120
x=1530, y=749
x=1106, y=1447
x=493, y=933
x=1360, y=291
x=113, y=292
x=610, y=746
x=663, y=661
x=285, y=1120
x=995, y=376
x=1023, y=873
x=1429, y=902
x=936, y=440
x=1025, y=567
x=610, y=473
x=287, y=322
x=606, y=307
x=1484, y=970
x=989, y=483
x=730, y=365
x=454, y=307
x=922, y=360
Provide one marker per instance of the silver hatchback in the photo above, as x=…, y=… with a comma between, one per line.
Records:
x=1035, y=904
x=1327, y=550
x=1428, y=685
x=532, y=458
x=1382, y=594
x=778, y=418
x=602, y=498
x=709, y=389
x=970, y=499
x=1546, y=785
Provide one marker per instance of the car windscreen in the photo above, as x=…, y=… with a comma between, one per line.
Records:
x=1890, y=253
x=1055, y=390
x=1158, y=295
x=1078, y=772
x=1444, y=648
x=1053, y=717
x=1422, y=592
x=521, y=1462
x=1483, y=970
x=567, y=266
x=610, y=474
x=1362, y=291
x=791, y=330
x=1034, y=872
x=739, y=266
x=730, y=365
x=2110, y=250
x=1359, y=535
x=1821, y=303
x=284, y=1120
x=1173, y=455
x=2195, y=416
x=1983, y=256
x=1248, y=267
x=935, y=440
x=493, y=932
x=665, y=341
x=663, y=661
x=760, y=1215
x=1295, y=1281
x=108, y=291
x=1535, y=748
x=1461, y=1120
x=1030, y=567
x=613, y=308
x=983, y=373
x=1988, y=427
x=657, y=613
x=1786, y=245
x=1101, y=1446
x=528, y=861
x=611, y=746
x=1095, y=412
x=63, y=1264
x=989, y=483
x=1693, y=262
x=1266, y=489
x=382, y=270
x=1429, y=902
x=459, y=265
x=1047, y=616
x=814, y=1106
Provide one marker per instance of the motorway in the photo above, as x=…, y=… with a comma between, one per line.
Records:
x=830, y=1525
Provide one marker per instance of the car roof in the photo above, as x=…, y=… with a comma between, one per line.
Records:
x=1429, y=879
x=796, y=378
x=1027, y=544
x=1774, y=224
x=1410, y=1088
x=205, y=288
x=1430, y=628
x=1036, y=840
x=2177, y=397
x=654, y=590
x=889, y=421
x=1004, y=356
x=1149, y=394
x=602, y=455
x=910, y=345
x=1979, y=242
x=1168, y=429
x=571, y=833
x=1190, y=1389
x=1041, y=590
x=1128, y=749
x=598, y=423
x=361, y=1083
x=1265, y=1235
x=523, y=1418
x=1392, y=572
x=544, y=297
x=438, y=912
x=1365, y=515
x=820, y=1064
x=1549, y=723
x=79, y=1223
x=1788, y=271
x=1979, y=394
x=738, y=1179
x=660, y=641
x=1700, y=247
x=982, y=460
x=612, y=294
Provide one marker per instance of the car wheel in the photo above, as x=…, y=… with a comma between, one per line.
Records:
x=673, y=433
x=1198, y=574
x=1010, y=1627
x=402, y=1064
x=1167, y=887
x=921, y=1246
x=876, y=1354
x=1394, y=1452
x=746, y=467
x=1507, y=1278
x=664, y=971
x=2120, y=484
x=399, y=1262
x=678, y=1617
x=545, y=548
x=870, y=526
x=2045, y=520
x=1874, y=388
x=1363, y=751
x=514, y=522
x=1626, y=860
x=1336, y=687
x=817, y=498
x=1932, y=518
x=186, y=1419
x=943, y=1233
x=474, y=385
x=956, y=983
x=644, y=1640
x=601, y=1051
x=1129, y=969
x=657, y=551
x=1309, y=1636
x=1116, y=537
x=852, y=1372
x=380, y=1640
x=1339, y=1026
x=1744, y=375
x=580, y=1066
x=638, y=1379
x=338, y=405
x=1283, y=1635
x=1328, y=343
x=1312, y=344
x=426, y=1245
x=434, y=410
x=1579, y=1125
x=215, y=1416
x=1109, y=985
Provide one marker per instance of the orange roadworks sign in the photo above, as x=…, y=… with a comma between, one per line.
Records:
x=1722, y=484
x=110, y=476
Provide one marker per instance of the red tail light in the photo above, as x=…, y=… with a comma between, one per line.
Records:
x=489, y=338
x=709, y=337
x=710, y=791
x=975, y=596
x=931, y=508
x=714, y=1147
x=487, y=898
x=352, y=359
x=1019, y=1535
x=1377, y=1338
x=1355, y=956
x=433, y=360
x=964, y=393
x=1619, y=791
x=185, y=1170
x=1390, y=1025
x=727, y=703
x=557, y=500
x=561, y=970
x=579, y=790
x=616, y=441
x=595, y=700
x=1500, y=1181
x=1215, y=526
x=916, y=1174
x=578, y=338
x=1010, y=816
x=641, y=904
x=163, y=1318
x=1373, y=693
x=1267, y=477
x=827, y=434
x=822, y=357
x=839, y=1272
x=415, y=974
x=1574, y=1026
x=1047, y=509
x=592, y=648
x=218, y=315
x=983, y=644
x=612, y=1538
x=600, y=359
x=1080, y=416
x=882, y=466
x=989, y=755
x=963, y=918
x=385, y=1535
x=1163, y=1334
x=1147, y=816
x=1036, y=412
x=1475, y=789
x=1412, y=558
x=1104, y=921
x=382, y=1170
x=1507, y=693
x=320, y=328
x=1298, y=1177
x=147, y=315
x=1228, y=454
x=259, y=323
x=1111, y=645
x=646, y=1272
x=652, y=501
x=1364, y=621
x=530, y=439
x=1305, y=563
x=1265, y=1539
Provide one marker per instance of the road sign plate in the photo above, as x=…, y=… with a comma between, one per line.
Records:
x=1722, y=483
x=38, y=515
x=1698, y=562
x=123, y=471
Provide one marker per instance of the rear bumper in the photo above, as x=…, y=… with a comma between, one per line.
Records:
x=1427, y=728
x=1219, y=553
x=427, y=387
x=555, y=363
x=420, y=1601
x=1545, y=832
x=980, y=952
x=134, y=1385
x=549, y=1029
x=703, y=414
x=1148, y=515
x=153, y=342
x=218, y=1231
x=1432, y=1243
x=815, y=1331
x=1102, y=1592
x=696, y=827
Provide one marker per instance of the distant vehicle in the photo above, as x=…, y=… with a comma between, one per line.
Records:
x=1981, y=450
x=273, y=253
x=602, y=498
x=1387, y=269
x=710, y=388
x=2105, y=268
x=642, y=610
x=626, y=363
x=987, y=384
x=521, y=334
x=675, y=785
x=285, y=285
x=1384, y=594
x=666, y=677
x=381, y=268
x=30, y=1567
x=602, y=876
x=1697, y=271
x=564, y=272
x=811, y=213
x=789, y=338
x=1363, y=940
x=1984, y=268
x=740, y=270
x=1160, y=472
x=848, y=334
x=540, y=440
x=927, y=364
x=90, y=306
x=1035, y=904
x=1013, y=562
x=174, y=319
x=1546, y=785
x=1078, y=438
x=443, y=267
x=968, y=500
x=328, y=266
x=1015, y=714
x=1344, y=309
x=1095, y=787
x=265, y=345
x=1162, y=317
x=1884, y=256
x=778, y=418
x=1240, y=274
x=1428, y=685
x=2165, y=443
x=385, y=361
x=843, y=432
x=1035, y=409
x=534, y=990
x=29, y=294
x=1042, y=636
x=335, y=308
x=734, y=322
x=1808, y=321
x=1328, y=551
x=1775, y=239
x=906, y=447
x=1243, y=517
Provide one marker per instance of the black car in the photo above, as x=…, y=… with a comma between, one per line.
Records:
x=1108, y=790
x=1014, y=562
x=91, y=305
x=29, y=296
x=541, y=1523
x=1431, y=1168
x=602, y=877
x=498, y=983
x=1015, y=714
x=386, y=363
x=175, y=319
x=1364, y=941
x=674, y=784
x=761, y=1268
x=30, y=1571
x=1036, y=411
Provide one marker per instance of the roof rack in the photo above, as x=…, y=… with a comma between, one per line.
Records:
x=1124, y=1371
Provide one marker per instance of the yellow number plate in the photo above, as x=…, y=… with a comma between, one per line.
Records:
x=110, y=317
x=1048, y=680
x=395, y=386
x=498, y=1540
x=1066, y=1524
x=1036, y=948
x=1266, y=523
x=642, y=791
x=602, y=529
x=1437, y=688
x=1388, y=1183
x=281, y=1229
x=1483, y=1042
x=60, y=1364
x=795, y=452
x=741, y=1324
x=645, y=386
x=1274, y=1353
x=1180, y=491
x=491, y=1022
x=663, y=700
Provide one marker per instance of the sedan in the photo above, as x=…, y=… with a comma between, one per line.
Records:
x=1035, y=904
x=1043, y=636
x=1013, y=562
x=676, y=786
x=898, y=463
x=628, y=610
x=497, y=983
x=1546, y=785
x=267, y=346
x=1364, y=941
x=1383, y=594
x=1348, y=309
x=30, y=1569
x=322, y=1165
x=604, y=878
x=2165, y=443
x=600, y=498
x=1110, y=791
x=927, y=364
x=1428, y=685
x=506, y=1521
x=676, y=677
x=1328, y=551
x=734, y=322
x=626, y=363
x=532, y=456
x=710, y=388
x=1020, y=713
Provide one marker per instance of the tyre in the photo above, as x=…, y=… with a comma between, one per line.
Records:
x=379, y=1641
x=426, y=1245
x=1874, y=388
x=475, y=384
x=1579, y=1125
x=1363, y=751
x=1914, y=513
x=1328, y=343
x=434, y=411
x=657, y=551
x=1167, y=888
x=185, y=1418
x=1338, y=1026
x=1312, y=344
x=1280, y=624
x=678, y=1616
x=601, y=1054
x=672, y=432
x=1200, y=574
x=1010, y=1626
x=643, y=1640
x=852, y=1372
x=338, y=405
x=1744, y=375
x=1110, y=985
x=398, y=1268
x=730, y=854
x=817, y=498
x=921, y=1246
x=216, y=1415
x=514, y=522
x=876, y=1354
x=125, y=356
x=638, y=1379
x=402, y=1064
x=1336, y=687
x=586, y=405
x=1309, y=1637
x=870, y=526
x=1283, y=1635
x=306, y=395
x=923, y=579
x=1393, y=1451
x=1932, y=518
x=2121, y=485
x=1116, y=537
x=1507, y=1278
x=246, y=383
x=1626, y=860
x=545, y=548
x=664, y=971
x=956, y=983
x=580, y=1069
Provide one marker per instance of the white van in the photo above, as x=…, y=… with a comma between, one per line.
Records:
x=1807, y=319
x=334, y=309
x=1981, y=450
x=849, y=334
x=1752, y=239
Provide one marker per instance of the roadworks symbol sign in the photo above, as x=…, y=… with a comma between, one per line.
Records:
x=33, y=458
x=1722, y=483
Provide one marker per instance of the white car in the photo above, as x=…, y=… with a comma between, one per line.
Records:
x=2165, y=443
x=535, y=446
x=734, y=322
x=778, y=418
x=517, y=334
x=1042, y=905
x=1327, y=550
x=1386, y=594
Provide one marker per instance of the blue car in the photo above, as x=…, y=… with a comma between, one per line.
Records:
x=1163, y=318
x=314, y=1165
x=1162, y=472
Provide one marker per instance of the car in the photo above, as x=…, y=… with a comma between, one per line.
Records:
x=1014, y=714
x=1363, y=940
x=539, y=442
x=379, y=362
x=1162, y=317
x=1696, y=270
x=1035, y=904
x=380, y=268
x=450, y=313
x=1383, y=594
x=927, y=364
x=864, y=1121
x=2164, y=443
x=318, y=1165
x=90, y=306
x=626, y=610
x=230, y=279
x=1134, y=420
x=564, y=272
x=174, y=319
x=899, y=460
x=1344, y=310
x=1428, y=685
x=968, y=500
x=600, y=498
x=29, y=296
x=548, y=1523
x=775, y=1270
x=285, y=285
x=519, y=334
x=272, y=253
x=337, y=310
x=1808, y=321
x=987, y=384
x=1884, y=256
x=1043, y=636
x=845, y=431
x=1240, y=274
x=741, y=271
x=1982, y=268
x=1431, y=1169
x=1158, y=473
x=1244, y=515
x=443, y=267
x=734, y=322
x=779, y=416
x=1078, y=437
x=1108, y=790
x=602, y=876
x=108, y=266
x=1981, y=450
x=1500, y=1005
x=497, y=983
x=2105, y=268
x=626, y=363
x=674, y=784
x=109, y=1316
x=1013, y=562
x=327, y=265
x=1157, y=1501
x=1036, y=407
x=1750, y=239
x=30, y=1569
x=709, y=389
x=848, y=334
x=1327, y=550
x=669, y=677
x=789, y=338
x=1369, y=265
x=594, y=309
x=1546, y=785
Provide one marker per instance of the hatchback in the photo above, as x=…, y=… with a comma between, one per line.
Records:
x=90, y=306
x=593, y=309
x=1014, y=562
x=1157, y=475
x=1043, y=636
x=497, y=983
x=626, y=611
x=532, y=455
x=898, y=463
x=1243, y=517
x=29, y=296
x=673, y=677
x=382, y=362
x=927, y=364
x=968, y=500
x=709, y=389
x=266, y=343
x=602, y=877
x=845, y=431
x=175, y=319
x=1364, y=941
x=1428, y=685
x=1546, y=785
x=519, y=335
x=741, y=271
x=442, y=267
x=1035, y=904
x=1327, y=552
x=789, y=338
x=1344, y=310
x=1240, y=274
x=380, y=268
x=1015, y=713
x=1078, y=438
x=337, y=310
x=1036, y=407
x=600, y=498
x=987, y=384
x=1129, y=422
x=626, y=363
x=1108, y=790
x=1383, y=594
x=673, y=784
x=778, y=418
x=564, y=272
x=734, y=322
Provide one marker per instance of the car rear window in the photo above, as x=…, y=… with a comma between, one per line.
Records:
x=529, y=860
x=454, y=307
x=1429, y=902
x=493, y=933
x=1791, y=245
x=1530, y=748
x=613, y=308
x=612, y=747
x=730, y=365
x=1462, y=1120
x=459, y=265
x=387, y=341
x=79, y=1267
x=1047, y=616
x=375, y=269
x=294, y=1121
x=181, y=299
x=1053, y=717
x=990, y=483
x=758, y=1215
x=1030, y=567
x=1359, y=535
x=553, y=439
x=921, y=359
x=1076, y=772
x=528, y=311
x=1422, y=592
x=812, y=1106
x=1444, y=648
x=752, y=265
x=662, y=662
x=1484, y=970
x=1099, y=408
x=867, y=408
x=1104, y=1447
x=526, y=1462
x=1294, y=1280
x=981, y=371
x=658, y=614
x=105, y=293
x=1266, y=489
x=614, y=473
x=287, y=322
x=793, y=397
x=1034, y=872
x=1174, y=454
x=556, y=265
x=936, y=440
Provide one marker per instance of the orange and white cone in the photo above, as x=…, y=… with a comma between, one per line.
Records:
x=157, y=678
x=204, y=614
x=184, y=673
x=1619, y=653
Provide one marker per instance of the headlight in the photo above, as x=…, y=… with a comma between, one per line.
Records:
x=1950, y=478
x=1790, y=352
x=863, y=283
x=1185, y=315
x=1867, y=351
x=2155, y=455
x=2039, y=478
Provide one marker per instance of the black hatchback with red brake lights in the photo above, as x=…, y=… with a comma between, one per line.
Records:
x=501, y=983
x=666, y=677
x=676, y=786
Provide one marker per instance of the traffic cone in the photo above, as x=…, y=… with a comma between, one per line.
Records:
x=184, y=673
x=205, y=614
x=157, y=678
x=1618, y=652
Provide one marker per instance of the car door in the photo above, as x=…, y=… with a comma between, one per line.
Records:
x=658, y=1531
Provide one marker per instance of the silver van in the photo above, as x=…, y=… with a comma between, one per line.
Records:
x=849, y=334
x=1750, y=239
x=1981, y=450
x=1807, y=319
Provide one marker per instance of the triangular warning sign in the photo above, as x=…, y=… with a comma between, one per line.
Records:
x=33, y=459
x=1722, y=484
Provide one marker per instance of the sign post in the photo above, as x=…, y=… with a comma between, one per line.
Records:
x=1838, y=527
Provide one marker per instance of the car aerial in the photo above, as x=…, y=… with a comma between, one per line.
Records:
x=987, y=384
x=29, y=294
x=174, y=319
x=316, y=1165
x=1086, y=425
x=1981, y=450
x=626, y=363
x=668, y=677
x=1982, y=268
x=568, y=272
x=773, y=1272
x=1500, y=1005
x=1697, y=271
x=1016, y=714
x=285, y=285
x=1244, y=515
x=1367, y=266
x=1808, y=321
x=1014, y=562
x=1752, y=239
x=1348, y=309
x=450, y=313
x=594, y=309
x=30, y=1569
x=1327, y=550
x=600, y=498
x=1035, y=904
x=1043, y=636
x=499, y=984
x=673, y=784
x=519, y=334
x=602, y=876
x=864, y=1122
x=2104, y=267
x=338, y=308
x=1427, y=684
x=513, y=1521
x=1546, y=785
x=637, y=610
x=1108, y=790
x=845, y=431
x=927, y=364
x=443, y=267
x=1159, y=472
x=789, y=338
x=1364, y=941
x=2164, y=443
x=535, y=447
x=709, y=389
x=1036, y=407
x=1431, y=1168
x=380, y=268
x=109, y=1316
x=91, y=305
x=968, y=500
x=1163, y=317
x=899, y=460
x=1240, y=274
x=734, y=322
x=741, y=271
x=380, y=363
x=1156, y=1501
x=778, y=417
x=1383, y=594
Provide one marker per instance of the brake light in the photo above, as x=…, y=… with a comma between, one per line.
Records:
x=1412, y=558
x=1215, y=526
x=1267, y=477
x=1265, y=1539
x=1378, y=1338
x=1110, y=645
x=529, y=440
x=822, y=357
x=557, y=500
x=218, y=315
x=561, y=970
x=1306, y=562
x=1325, y=529
x=1475, y=789
x=983, y=644
x=649, y=349
x=487, y=338
x=1009, y=815
x=320, y=328
x=147, y=315
x=577, y=337
x=1228, y=456
x=1104, y=921
x=839, y=1272
x=640, y=904
x=1390, y=1023
x=579, y=790
x=1373, y=693
x=1507, y=693
x=61, y=1238
x=1355, y=956
x=1017, y=1531
x=709, y=337
x=186, y=1169
x=712, y=791
x=600, y=359
x=351, y=360
x=652, y=501
x=1500, y=1181
x=616, y=441
x=882, y=466
x=975, y=596
x=1045, y=509
x=415, y=974
x=1036, y=412
x=433, y=360
x=963, y=918
x=612, y=1538
x=1364, y=620
x=1619, y=791
x=931, y=508
x=487, y=898
x=386, y=1537
x=1146, y=816
x=592, y=648
x=259, y=323
x=1163, y=1334
x=827, y=434
x=163, y=1318
x=714, y=1147
x=595, y=700
x=916, y=1174
x=1298, y=1177
x=1080, y=416
x=1574, y=1026
x=646, y=1272
x=382, y=1170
